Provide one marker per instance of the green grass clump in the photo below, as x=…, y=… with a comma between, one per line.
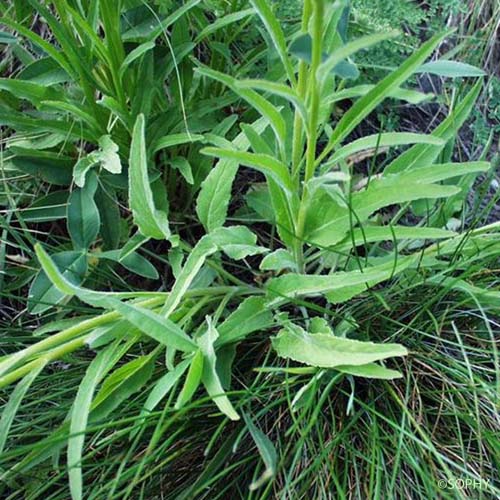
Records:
x=216, y=283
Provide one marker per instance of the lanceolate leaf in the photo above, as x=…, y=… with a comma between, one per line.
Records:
x=251, y=315
x=423, y=155
x=193, y=380
x=237, y=242
x=120, y=385
x=453, y=69
x=389, y=139
x=278, y=89
x=210, y=377
x=295, y=285
x=371, y=234
x=10, y=409
x=263, y=163
x=408, y=95
x=262, y=105
x=370, y=370
x=273, y=27
x=175, y=140
x=152, y=223
x=161, y=329
x=133, y=262
x=366, y=104
x=79, y=417
x=328, y=221
x=83, y=217
x=327, y=351
x=221, y=22
x=164, y=385
x=266, y=451
x=213, y=200
x=43, y=294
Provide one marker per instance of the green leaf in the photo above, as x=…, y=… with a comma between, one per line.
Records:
x=133, y=262
x=375, y=141
x=151, y=28
x=47, y=208
x=182, y=165
x=153, y=325
x=237, y=241
x=152, y=223
x=328, y=221
x=192, y=382
x=408, y=95
x=267, y=452
x=213, y=200
x=370, y=370
x=372, y=234
x=366, y=104
x=221, y=22
x=109, y=211
x=139, y=51
x=327, y=351
x=225, y=359
x=44, y=71
x=278, y=260
x=273, y=27
x=30, y=91
x=120, y=385
x=423, y=155
x=193, y=264
x=251, y=315
x=277, y=89
x=451, y=69
x=83, y=217
x=161, y=329
x=10, y=408
x=79, y=417
x=43, y=294
x=336, y=62
x=164, y=386
x=210, y=378
x=302, y=48
x=82, y=167
x=435, y=173
x=262, y=105
x=133, y=243
x=294, y=285
x=175, y=140
x=7, y=38
x=346, y=70
x=50, y=167
x=108, y=155
x=266, y=164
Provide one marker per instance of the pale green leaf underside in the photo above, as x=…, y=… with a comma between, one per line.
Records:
x=327, y=351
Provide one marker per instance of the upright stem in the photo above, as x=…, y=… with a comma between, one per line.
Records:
x=298, y=125
x=312, y=138
x=317, y=39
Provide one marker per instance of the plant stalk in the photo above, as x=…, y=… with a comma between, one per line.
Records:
x=312, y=137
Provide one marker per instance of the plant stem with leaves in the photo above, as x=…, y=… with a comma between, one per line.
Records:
x=313, y=92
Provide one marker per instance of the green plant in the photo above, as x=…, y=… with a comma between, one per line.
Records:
x=71, y=109
x=154, y=350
